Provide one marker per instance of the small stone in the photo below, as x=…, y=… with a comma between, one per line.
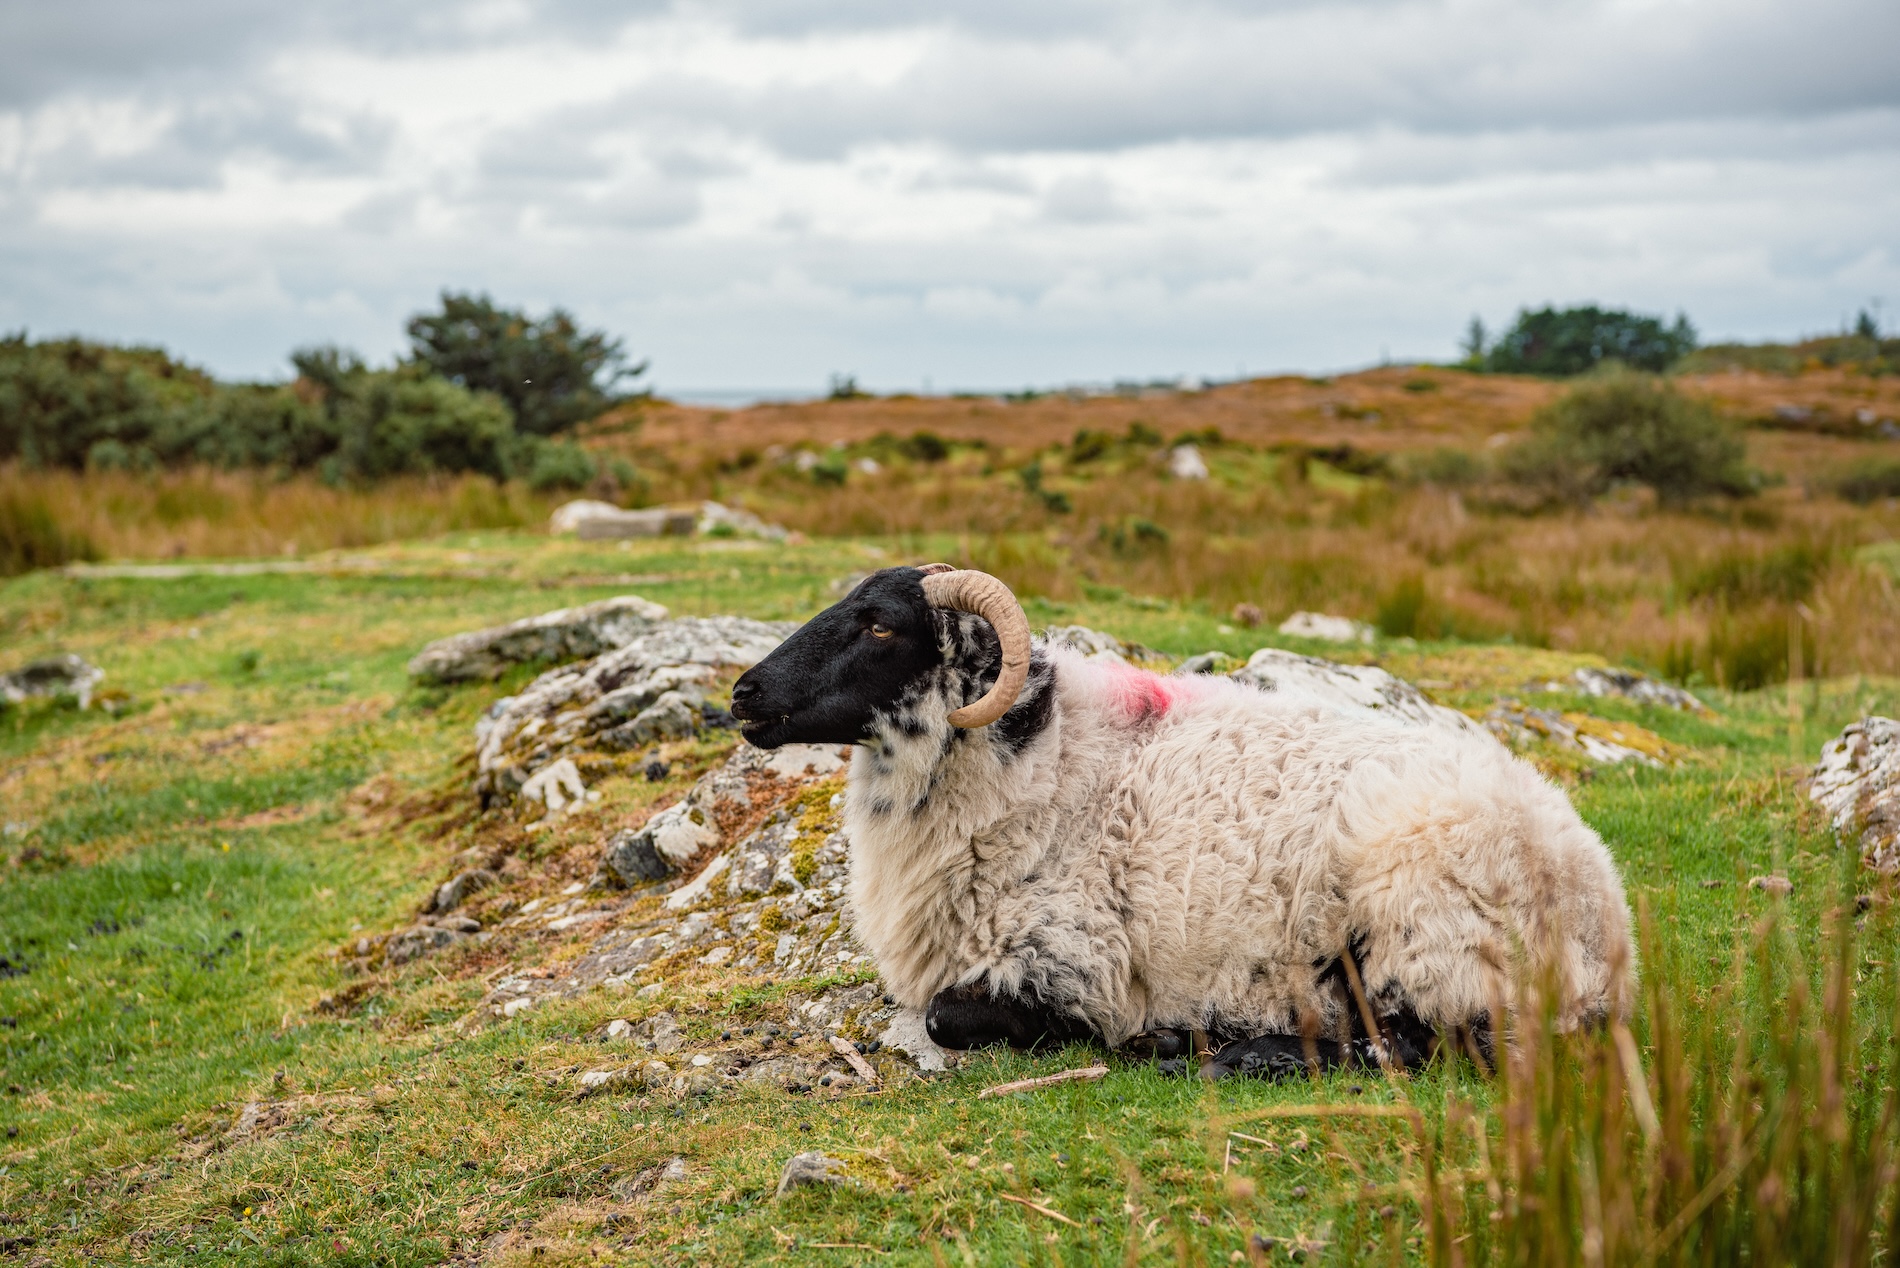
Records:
x=1328, y=628
x=1299, y=1190
x=1772, y=884
x=716, y=956
x=701, y=1061
x=650, y=990
x=619, y=1028
x=450, y=894
x=809, y=1169
x=656, y=771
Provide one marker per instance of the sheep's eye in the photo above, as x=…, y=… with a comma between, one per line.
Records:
x=881, y=630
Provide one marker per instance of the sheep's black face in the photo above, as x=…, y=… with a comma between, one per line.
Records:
x=824, y=684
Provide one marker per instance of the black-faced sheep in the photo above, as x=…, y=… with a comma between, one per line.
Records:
x=1049, y=847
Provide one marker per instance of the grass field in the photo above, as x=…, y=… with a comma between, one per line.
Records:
x=183, y=868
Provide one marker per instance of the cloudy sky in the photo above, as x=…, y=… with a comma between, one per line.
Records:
x=966, y=193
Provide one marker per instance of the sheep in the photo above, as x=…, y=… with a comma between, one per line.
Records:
x=1046, y=848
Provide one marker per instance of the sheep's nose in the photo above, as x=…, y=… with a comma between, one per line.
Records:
x=743, y=691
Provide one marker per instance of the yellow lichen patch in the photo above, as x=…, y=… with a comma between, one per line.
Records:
x=1628, y=735
x=816, y=820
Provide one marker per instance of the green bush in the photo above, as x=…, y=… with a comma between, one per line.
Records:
x=557, y=465
x=551, y=373
x=1451, y=468
x=1573, y=340
x=63, y=398
x=1872, y=483
x=405, y=421
x=1628, y=428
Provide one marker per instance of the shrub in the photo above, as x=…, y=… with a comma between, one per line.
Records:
x=924, y=446
x=550, y=372
x=1629, y=428
x=405, y=421
x=1871, y=483
x=62, y=398
x=1573, y=340
x=1445, y=466
x=555, y=465
x=1133, y=535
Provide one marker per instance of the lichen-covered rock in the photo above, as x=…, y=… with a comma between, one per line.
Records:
x=653, y=687
x=414, y=943
x=1857, y=782
x=716, y=519
x=1596, y=739
x=1350, y=688
x=806, y=1170
x=451, y=893
x=1091, y=643
x=63, y=675
x=562, y=635
x=1628, y=685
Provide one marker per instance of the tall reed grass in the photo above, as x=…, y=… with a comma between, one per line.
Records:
x=1757, y=1125
x=51, y=517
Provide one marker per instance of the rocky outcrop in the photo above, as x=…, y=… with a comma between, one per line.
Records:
x=719, y=520
x=1627, y=684
x=1352, y=688
x=1857, y=782
x=64, y=675
x=1595, y=739
x=590, y=519
x=653, y=687
x=565, y=634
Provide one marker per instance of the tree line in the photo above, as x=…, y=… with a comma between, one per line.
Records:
x=484, y=389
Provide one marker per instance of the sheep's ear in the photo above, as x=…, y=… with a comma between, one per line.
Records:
x=931, y=570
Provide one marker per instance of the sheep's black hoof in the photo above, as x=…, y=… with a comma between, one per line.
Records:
x=1159, y=1045
x=1271, y=1057
x=963, y=1017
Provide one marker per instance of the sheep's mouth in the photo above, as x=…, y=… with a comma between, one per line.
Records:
x=753, y=728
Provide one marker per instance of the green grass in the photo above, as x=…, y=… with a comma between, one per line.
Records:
x=174, y=959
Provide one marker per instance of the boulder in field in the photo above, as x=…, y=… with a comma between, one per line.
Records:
x=653, y=687
x=1857, y=782
x=564, y=634
x=64, y=675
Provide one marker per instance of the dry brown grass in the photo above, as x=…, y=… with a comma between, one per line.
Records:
x=1721, y=591
x=232, y=513
x=1708, y=591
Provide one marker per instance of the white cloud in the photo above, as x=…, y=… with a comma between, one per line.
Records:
x=980, y=193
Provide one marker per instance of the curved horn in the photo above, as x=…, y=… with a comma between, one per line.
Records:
x=967, y=590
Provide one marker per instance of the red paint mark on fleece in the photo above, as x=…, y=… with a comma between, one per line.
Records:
x=1140, y=694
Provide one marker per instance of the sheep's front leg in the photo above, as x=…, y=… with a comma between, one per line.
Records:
x=970, y=1017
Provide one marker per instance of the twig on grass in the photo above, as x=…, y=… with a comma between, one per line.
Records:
x=1327, y=1111
x=845, y=1048
x=1087, y=1073
x=1039, y=1209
